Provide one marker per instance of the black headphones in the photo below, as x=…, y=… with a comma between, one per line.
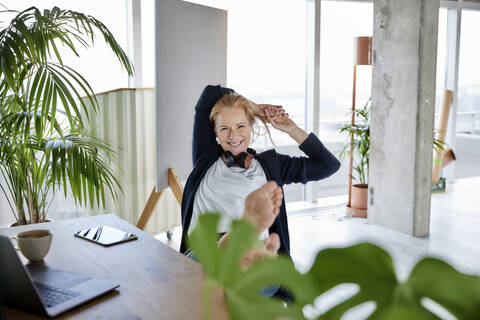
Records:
x=243, y=160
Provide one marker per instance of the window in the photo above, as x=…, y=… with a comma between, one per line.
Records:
x=336, y=79
x=467, y=142
x=468, y=106
x=266, y=57
x=441, y=52
x=464, y=130
x=336, y=64
x=97, y=64
x=148, y=42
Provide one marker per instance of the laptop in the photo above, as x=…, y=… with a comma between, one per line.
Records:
x=38, y=289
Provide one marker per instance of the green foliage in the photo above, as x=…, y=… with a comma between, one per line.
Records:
x=37, y=154
x=437, y=143
x=222, y=268
x=364, y=264
x=360, y=143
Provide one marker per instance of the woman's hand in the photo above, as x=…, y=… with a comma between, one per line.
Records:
x=267, y=111
x=279, y=119
x=258, y=109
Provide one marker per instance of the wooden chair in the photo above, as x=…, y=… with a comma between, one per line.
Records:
x=177, y=189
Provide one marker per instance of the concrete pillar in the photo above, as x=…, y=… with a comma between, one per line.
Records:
x=402, y=114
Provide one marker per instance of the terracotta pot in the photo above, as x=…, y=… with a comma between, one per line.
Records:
x=359, y=201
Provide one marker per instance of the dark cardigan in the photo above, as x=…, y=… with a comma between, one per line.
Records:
x=283, y=169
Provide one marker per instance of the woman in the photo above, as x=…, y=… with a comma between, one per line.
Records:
x=214, y=186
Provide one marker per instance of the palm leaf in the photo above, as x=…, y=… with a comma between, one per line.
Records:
x=83, y=160
x=360, y=131
x=27, y=44
x=37, y=153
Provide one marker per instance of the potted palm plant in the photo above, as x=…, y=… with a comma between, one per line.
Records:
x=359, y=146
x=44, y=144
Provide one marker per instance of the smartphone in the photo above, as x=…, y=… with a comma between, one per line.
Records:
x=105, y=235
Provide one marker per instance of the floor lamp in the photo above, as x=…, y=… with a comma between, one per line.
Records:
x=362, y=56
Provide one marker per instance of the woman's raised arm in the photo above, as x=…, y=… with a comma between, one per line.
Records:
x=203, y=134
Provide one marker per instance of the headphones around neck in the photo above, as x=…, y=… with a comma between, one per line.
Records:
x=243, y=160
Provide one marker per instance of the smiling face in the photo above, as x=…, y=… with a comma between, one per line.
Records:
x=233, y=130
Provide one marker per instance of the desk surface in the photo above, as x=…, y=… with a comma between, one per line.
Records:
x=156, y=282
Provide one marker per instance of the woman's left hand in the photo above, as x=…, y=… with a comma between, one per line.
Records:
x=279, y=119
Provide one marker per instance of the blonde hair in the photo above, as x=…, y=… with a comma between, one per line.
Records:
x=233, y=100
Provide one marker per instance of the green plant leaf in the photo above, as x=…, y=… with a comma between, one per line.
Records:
x=365, y=264
x=203, y=241
x=244, y=297
x=457, y=292
x=240, y=240
x=222, y=267
x=360, y=132
x=33, y=80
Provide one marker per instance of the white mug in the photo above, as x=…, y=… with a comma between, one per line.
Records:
x=34, y=244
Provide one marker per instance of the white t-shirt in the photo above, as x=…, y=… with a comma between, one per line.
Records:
x=224, y=190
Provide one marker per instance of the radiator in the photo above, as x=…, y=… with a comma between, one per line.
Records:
x=126, y=120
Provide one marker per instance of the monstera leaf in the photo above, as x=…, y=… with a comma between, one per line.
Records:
x=365, y=264
x=222, y=267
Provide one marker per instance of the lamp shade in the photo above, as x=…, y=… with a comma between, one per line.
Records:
x=362, y=50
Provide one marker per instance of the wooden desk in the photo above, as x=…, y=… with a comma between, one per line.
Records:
x=156, y=282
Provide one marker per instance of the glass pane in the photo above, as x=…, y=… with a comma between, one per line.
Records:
x=148, y=43
x=97, y=64
x=441, y=58
x=468, y=108
x=266, y=57
x=336, y=78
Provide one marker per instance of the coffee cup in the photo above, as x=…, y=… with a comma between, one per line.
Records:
x=34, y=244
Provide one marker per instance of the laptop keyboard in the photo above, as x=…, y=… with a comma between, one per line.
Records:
x=52, y=296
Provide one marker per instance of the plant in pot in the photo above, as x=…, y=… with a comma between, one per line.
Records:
x=44, y=144
x=359, y=146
